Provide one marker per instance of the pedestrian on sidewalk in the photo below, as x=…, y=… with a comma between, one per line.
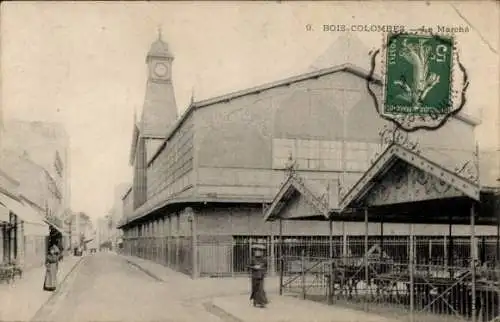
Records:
x=258, y=267
x=52, y=266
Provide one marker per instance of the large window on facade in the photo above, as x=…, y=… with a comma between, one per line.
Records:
x=322, y=155
x=359, y=154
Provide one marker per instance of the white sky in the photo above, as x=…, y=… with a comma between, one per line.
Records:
x=83, y=64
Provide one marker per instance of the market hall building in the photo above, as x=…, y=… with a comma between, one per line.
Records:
x=202, y=180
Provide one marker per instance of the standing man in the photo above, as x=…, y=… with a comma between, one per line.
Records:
x=258, y=268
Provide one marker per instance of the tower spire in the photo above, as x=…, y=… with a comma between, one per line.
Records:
x=159, y=33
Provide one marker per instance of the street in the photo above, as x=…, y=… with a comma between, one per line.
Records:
x=105, y=287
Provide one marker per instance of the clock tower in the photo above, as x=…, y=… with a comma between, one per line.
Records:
x=159, y=60
x=160, y=109
x=159, y=113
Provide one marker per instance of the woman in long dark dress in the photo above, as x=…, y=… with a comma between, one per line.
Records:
x=51, y=265
x=258, y=267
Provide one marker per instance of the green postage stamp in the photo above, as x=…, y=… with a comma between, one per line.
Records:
x=418, y=74
x=423, y=80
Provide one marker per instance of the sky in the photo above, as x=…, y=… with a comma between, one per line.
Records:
x=83, y=64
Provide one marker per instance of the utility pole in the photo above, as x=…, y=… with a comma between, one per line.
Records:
x=77, y=228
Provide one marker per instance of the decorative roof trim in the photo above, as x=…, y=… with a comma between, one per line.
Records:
x=387, y=159
x=294, y=183
x=290, y=80
x=282, y=195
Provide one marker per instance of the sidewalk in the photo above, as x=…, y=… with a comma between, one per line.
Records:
x=202, y=287
x=22, y=299
x=228, y=298
x=289, y=309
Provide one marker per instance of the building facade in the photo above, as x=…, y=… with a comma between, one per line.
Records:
x=115, y=216
x=23, y=233
x=47, y=144
x=81, y=228
x=204, y=178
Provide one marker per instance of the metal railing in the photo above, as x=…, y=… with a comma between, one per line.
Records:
x=380, y=277
x=374, y=274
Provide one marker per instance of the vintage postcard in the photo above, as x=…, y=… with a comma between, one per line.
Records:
x=250, y=161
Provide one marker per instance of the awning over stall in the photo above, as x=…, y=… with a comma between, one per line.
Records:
x=35, y=229
x=401, y=176
x=24, y=212
x=401, y=186
x=56, y=227
x=4, y=214
x=309, y=199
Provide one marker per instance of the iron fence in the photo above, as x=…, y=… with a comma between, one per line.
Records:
x=171, y=252
x=379, y=276
x=371, y=273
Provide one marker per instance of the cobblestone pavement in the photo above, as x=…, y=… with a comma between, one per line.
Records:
x=106, y=287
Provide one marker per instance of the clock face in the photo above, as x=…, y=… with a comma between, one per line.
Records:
x=161, y=70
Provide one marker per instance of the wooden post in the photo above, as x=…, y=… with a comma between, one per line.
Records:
x=498, y=237
x=367, y=277
x=473, y=261
x=177, y=241
x=169, y=241
x=281, y=257
x=330, y=263
x=450, y=248
x=445, y=252
x=411, y=270
x=344, y=244
x=272, y=257
x=155, y=241
x=165, y=241
x=303, y=272
x=429, y=261
x=194, y=243
x=498, y=245
x=381, y=240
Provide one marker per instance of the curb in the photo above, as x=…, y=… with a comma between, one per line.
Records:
x=147, y=272
x=53, y=296
x=225, y=316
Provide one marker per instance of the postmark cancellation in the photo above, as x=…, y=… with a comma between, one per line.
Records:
x=424, y=82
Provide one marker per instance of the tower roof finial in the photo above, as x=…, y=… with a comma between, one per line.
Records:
x=159, y=48
x=159, y=33
x=192, y=95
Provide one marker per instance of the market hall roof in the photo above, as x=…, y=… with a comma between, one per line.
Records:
x=347, y=67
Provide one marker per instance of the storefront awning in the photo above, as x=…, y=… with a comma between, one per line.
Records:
x=4, y=214
x=24, y=212
x=56, y=227
x=30, y=229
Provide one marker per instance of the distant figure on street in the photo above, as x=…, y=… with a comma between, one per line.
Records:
x=51, y=265
x=258, y=267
